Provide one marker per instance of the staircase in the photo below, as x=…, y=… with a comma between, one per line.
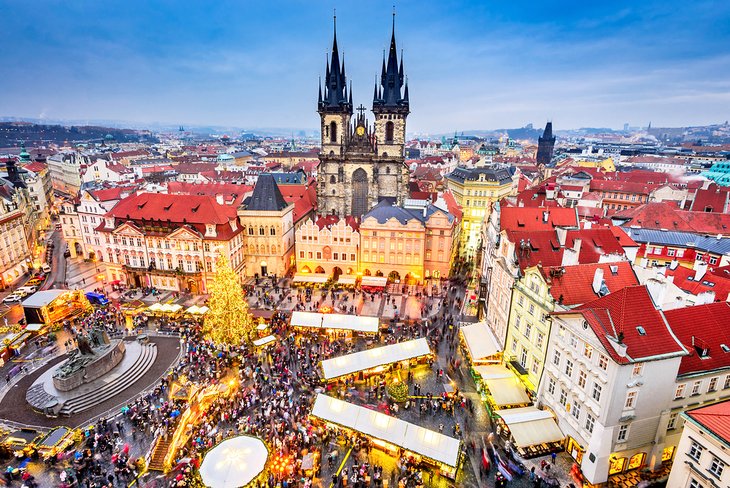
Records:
x=120, y=383
x=157, y=459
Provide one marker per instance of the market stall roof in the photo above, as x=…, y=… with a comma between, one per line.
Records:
x=419, y=440
x=374, y=281
x=43, y=298
x=364, y=360
x=170, y=307
x=310, y=278
x=530, y=426
x=155, y=307
x=193, y=309
x=234, y=462
x=262, y=326
x=264, y=340
x=507, y=391
x=203, y=310
x=54, y=437
x=335, y=321
x=347, y=279
x=34, y=327
x=21, y=436
x=480, y=341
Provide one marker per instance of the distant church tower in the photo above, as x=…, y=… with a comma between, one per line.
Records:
x=545, y=145
x=361, y=165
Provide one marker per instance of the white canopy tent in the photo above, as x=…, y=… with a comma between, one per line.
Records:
x=505, y=388
x=434, y=445
x=372, y=358
x=530, y=426
x=480, y=341
x=264, y=340
x=347, y=279
x=310, y=278
x=335, y=321
x=374, y=281
x=234, y=462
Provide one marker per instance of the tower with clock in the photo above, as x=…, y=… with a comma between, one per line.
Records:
x=362, y=164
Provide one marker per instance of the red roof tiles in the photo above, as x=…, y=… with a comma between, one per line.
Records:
x=573, y=285
x=661, y=215
x=684, y=279
x=702, y=327
x=715, y=418
x=712, y=199
x=536, y=218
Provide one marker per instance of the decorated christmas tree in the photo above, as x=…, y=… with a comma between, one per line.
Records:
x=228, y=321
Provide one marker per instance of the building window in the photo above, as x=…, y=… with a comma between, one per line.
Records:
x=551, y=386
x=717, y=467
x=568, y=368
x=623, y=432
x=712, y=386
x=726, y=385
x=301, y=254
x=596, y=393
x=590, y=420
x=575, y=410
x=670, y=252
x=588, y=351
x=556, y=358
x=336, y=256
x=582, y=377
x=272, y=231
x=514, y=345
x=573, y=341
x=535, y=366
x=603, y=362
x=631, y=399
x=696, y=387
x=540, y=339
x=672, y=420
x=695, y=451
x=352, y=257
x=319, y=255
x=693, y=483
x=528, y=330
x=563, y=397
x=638, y=368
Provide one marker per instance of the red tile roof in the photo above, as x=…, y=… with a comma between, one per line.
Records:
x=622, y=236
x=330, y=220
x=622, y=187
x=304, y=198
x=702, y=327
x=536, y=218
x=452, y=205
x=36, y=166
x=662, y=215
x=620, y=314
x=714, y=418
x=713, y=197
x=232, y=193
x=684, y=279
x=573, y=285
x=116, y=193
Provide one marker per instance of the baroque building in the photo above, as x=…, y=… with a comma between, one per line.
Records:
x=362, y=164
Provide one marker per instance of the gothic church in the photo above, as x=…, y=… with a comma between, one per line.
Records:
x=361, y=164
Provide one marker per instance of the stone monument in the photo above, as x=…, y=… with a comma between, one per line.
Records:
x=94, y=356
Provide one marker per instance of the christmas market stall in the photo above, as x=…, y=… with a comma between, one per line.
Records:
x=347, y=280
x=54, y=306
x=264, y=341
x=376, y=361
x=310, y=279
x=394, y=436
x=500, y=388
x=480, y=344
x=332, y=323
x=235, y=462
x=373, y=283
x=533, y=431
x=56, y=441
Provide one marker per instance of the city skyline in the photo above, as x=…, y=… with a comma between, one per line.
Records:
x=470, y=66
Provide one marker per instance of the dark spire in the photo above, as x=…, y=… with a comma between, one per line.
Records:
x=350, y=100
x=545, y=145
x=548, y=132
x=392, y=78
x=405, y=93
x=375, y=90
x=319, y=85
x=335, y=83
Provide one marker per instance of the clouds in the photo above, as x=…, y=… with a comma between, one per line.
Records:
x=470, y=64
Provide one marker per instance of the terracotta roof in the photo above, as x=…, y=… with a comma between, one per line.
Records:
x=129, y=154
x=304, y=198
x=630, y=314
x=36, y=166
x=622, y=186
x=452, y=205
x=330, y=220
x=201, y=209
x=573, y=285
x=232, y=193
x=702, y=327
x=713, y=197
x=116, y=193
x=661, y=215
x=714, y=418
x=194, y=168
x=536, y=218
x=684, y=279
x=622, y=236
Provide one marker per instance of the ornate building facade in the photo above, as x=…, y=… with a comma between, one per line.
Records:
x=362, y=164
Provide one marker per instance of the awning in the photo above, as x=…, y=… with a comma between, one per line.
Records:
x=194, y=309
x=264, y=340
x=234, y=462
x=310, y=278
x=170, y=308
x=372, y=358
x=504, y=387
x=262, y=326
x=335, y=321
x=480, y=341
x=380, y=281
x=530, y=426
x=347, y=279
x=155, y=307
x=414, y=438
x=34, y=327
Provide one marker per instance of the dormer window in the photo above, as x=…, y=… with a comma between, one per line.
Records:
x=641, y=330
x=210, y=230
x=109, y=223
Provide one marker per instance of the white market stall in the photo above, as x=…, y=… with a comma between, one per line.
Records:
x=344, y=279
x=373, y=358
x=234, y=462
x=310, y=278
x=534, y=431
x=505, y=389
x=264, y=340
x=374, y=281
x=335, y=322
x=390, y=433
x=480, y=343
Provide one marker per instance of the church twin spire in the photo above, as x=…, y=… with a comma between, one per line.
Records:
x=389, y=95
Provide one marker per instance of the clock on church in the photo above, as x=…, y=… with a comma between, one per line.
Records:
x=360, y=131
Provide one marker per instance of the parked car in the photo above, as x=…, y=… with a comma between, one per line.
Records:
x=13, y=297
x=45, y=268
x=33, y=282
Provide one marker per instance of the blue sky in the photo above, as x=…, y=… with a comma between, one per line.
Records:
x=471, y=65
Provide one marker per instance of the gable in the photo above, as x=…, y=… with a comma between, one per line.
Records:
x=184, y=233
x=127, y=229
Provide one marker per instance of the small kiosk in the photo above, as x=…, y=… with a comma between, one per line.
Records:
x=333, y=323
x=533, y=431
x=49, y=307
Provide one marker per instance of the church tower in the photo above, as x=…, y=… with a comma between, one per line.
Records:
x=545, y=145
x=362, y=164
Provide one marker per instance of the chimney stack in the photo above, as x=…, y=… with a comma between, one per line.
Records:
x=597, y=280
x=545, y=216
x=562, y=235
x=700, y=270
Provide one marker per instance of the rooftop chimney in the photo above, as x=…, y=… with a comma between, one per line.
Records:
x=562, y=235
x=597, y=281
x=700, y=270
x=545, y=216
